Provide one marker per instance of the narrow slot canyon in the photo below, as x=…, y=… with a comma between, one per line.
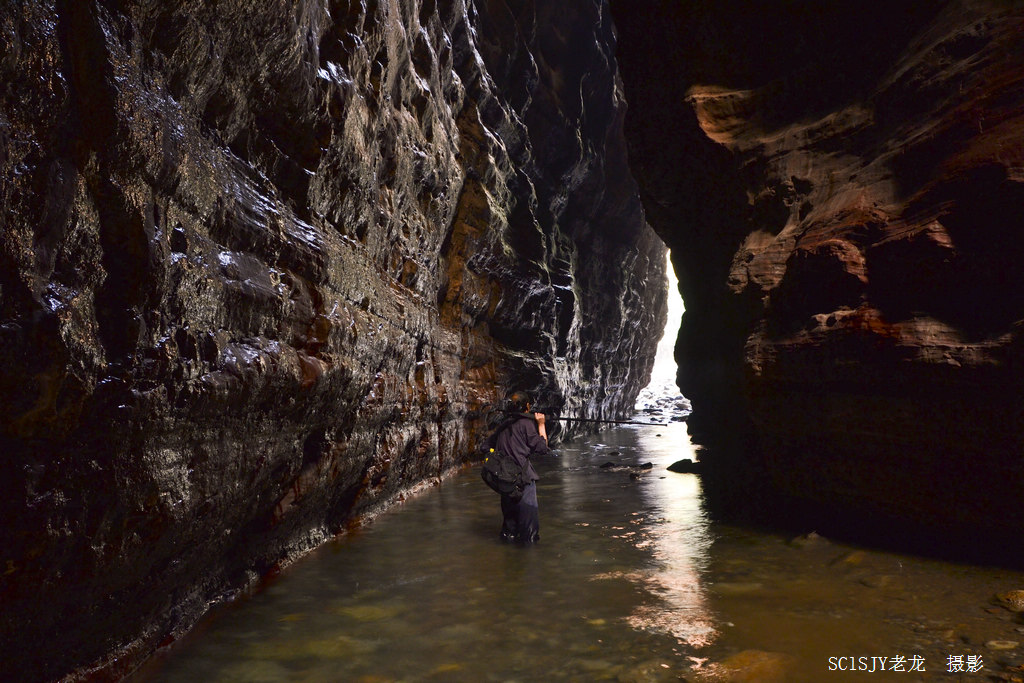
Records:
x=269, y=270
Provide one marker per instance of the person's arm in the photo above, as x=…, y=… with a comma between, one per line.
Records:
x=540, y=441
x=535, y=434
x=541, y=429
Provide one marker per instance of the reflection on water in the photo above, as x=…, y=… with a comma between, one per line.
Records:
x=669, y=524
x=631, y=582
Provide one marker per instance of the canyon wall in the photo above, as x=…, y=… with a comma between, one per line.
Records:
x=842, y=188
x=267, y=264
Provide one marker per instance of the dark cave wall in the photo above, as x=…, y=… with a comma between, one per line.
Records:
x=264, y=266
x=841, y=188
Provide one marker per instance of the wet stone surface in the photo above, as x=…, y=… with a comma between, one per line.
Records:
x=265, y=266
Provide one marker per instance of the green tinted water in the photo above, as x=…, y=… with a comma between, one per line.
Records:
x=631, y=582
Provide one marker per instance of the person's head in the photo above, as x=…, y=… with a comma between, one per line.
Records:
x=519, y=401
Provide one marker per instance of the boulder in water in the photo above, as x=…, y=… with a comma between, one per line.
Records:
x=685, y=466
x=1011, y=600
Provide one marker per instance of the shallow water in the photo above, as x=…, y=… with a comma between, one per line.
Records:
x=632, y=581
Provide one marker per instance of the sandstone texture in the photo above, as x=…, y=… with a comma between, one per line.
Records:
x=842, y=188
x=266, y=264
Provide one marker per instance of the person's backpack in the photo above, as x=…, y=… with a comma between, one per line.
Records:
x=503, y=474
x=501, y=471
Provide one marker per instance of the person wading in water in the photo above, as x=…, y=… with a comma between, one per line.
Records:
x=521, y=435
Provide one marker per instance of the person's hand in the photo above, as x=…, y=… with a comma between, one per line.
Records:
x=539, y=417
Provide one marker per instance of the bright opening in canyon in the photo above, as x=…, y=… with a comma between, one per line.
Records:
x=662, y=393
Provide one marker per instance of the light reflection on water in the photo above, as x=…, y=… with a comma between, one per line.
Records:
x=671, y=526
x=631, y=582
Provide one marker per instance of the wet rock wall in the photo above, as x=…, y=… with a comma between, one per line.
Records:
x=841, y=187
x=264, y=266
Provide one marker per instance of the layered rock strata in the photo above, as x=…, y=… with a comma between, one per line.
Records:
x=842, y=188
x=265, y=265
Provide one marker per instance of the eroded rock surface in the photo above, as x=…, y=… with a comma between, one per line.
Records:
x=842, y=187
x=264, y=265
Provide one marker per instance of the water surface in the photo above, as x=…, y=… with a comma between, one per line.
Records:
x=631, y=581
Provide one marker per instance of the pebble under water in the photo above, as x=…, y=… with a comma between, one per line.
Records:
x=631, y=581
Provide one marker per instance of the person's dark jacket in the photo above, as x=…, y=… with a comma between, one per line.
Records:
x=518, y=437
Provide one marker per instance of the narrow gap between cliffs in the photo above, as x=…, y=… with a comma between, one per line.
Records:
x=661, y=398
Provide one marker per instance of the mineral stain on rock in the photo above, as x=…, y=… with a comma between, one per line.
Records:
x=265, y=266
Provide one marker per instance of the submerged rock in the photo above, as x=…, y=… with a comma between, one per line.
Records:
x=878, y=581
x=809, y=540
x=654, y=671
x=1012, y=600
x=618, y=467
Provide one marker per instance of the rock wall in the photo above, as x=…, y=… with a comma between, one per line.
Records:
x=266, y=264
x=842, y=188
